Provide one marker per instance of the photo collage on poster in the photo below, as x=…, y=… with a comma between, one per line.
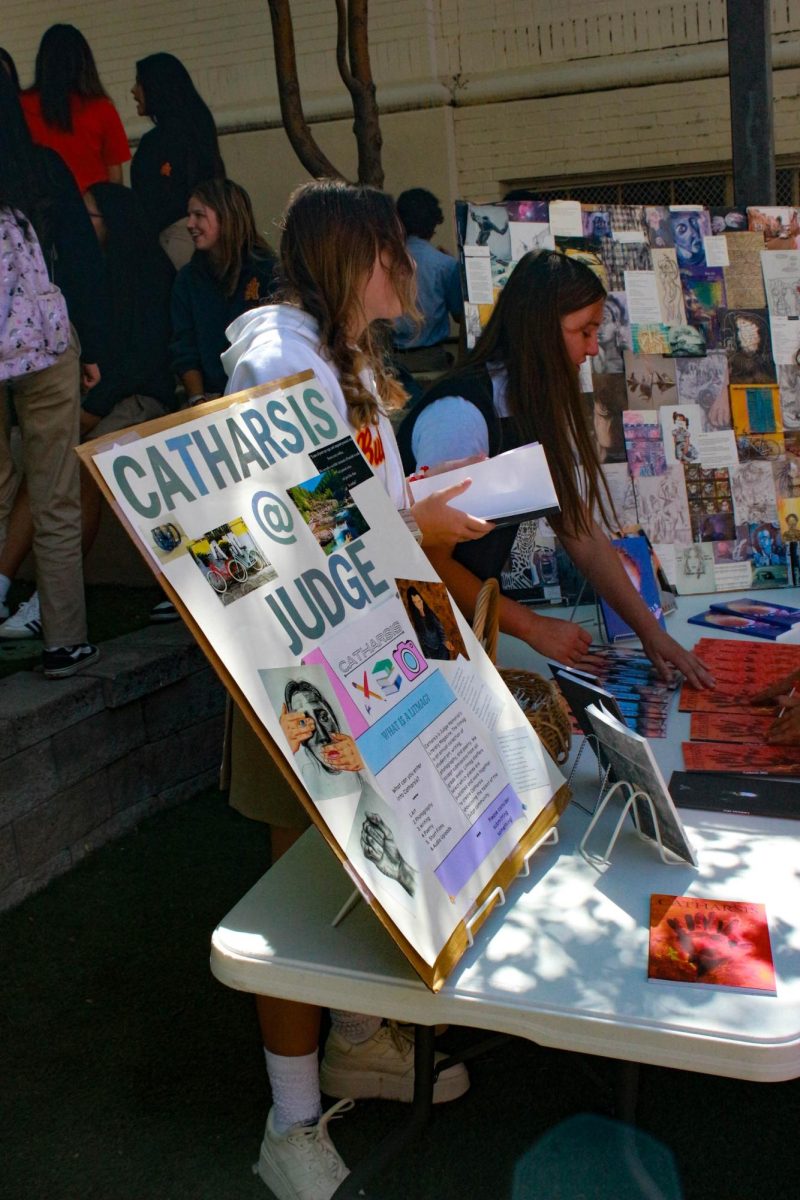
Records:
x=693, y=400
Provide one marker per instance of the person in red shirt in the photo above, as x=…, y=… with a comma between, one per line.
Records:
x=68, y=109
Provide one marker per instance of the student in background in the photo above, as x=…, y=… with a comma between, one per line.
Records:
x=44, y=221
x=68, y=109
x=232, y=270
x=136, y=382
x=181, y=151
x=10, y=68
x=421, y=347
x=519, y=385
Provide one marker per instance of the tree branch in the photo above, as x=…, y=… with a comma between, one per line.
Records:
x=341, y=46
x=294, y=121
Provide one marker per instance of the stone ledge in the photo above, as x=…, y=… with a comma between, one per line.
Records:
x=85, y=759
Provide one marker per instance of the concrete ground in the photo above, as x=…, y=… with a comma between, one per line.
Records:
x=129, y=1073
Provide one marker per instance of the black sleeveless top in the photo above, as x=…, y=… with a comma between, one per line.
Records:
x=486, y=556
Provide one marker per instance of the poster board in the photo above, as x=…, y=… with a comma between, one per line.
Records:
x=693, y=400
x=326, y=622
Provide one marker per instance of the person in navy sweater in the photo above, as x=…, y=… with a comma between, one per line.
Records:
x=232, y=270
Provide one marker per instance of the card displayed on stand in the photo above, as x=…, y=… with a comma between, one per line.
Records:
x=632, y=760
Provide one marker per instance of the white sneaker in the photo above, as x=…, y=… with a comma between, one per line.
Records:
x=303, y=1163
x=26, y=621
x=382, y=1067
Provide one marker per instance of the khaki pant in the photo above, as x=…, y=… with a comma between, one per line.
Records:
x=47, y=405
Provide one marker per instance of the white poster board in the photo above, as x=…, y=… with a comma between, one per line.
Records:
x=332, y=631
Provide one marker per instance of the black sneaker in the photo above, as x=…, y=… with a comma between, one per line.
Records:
x=66, y=660
x=162, y=612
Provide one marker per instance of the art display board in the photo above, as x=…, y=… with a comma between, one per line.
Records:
x=331, y=630
x=693, y=400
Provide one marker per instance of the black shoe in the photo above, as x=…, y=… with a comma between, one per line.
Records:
x=162, y=612
x=66, y=660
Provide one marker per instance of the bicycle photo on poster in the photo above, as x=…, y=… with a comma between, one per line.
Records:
x=230, y=560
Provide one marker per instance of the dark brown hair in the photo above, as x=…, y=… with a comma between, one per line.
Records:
x=332, y=233
x=524, y=335
x=65, y=67
x=238, y=235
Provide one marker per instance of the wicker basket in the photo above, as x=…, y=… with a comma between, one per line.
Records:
x=538, y=698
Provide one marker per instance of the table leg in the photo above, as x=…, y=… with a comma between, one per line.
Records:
x=626, y=1091
x=419, y=1114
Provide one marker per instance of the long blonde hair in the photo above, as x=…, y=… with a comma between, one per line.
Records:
x=332, y=233
x=238, y=234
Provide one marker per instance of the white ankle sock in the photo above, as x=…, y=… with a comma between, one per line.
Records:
x=354, y=1027
x=5, y=584
x=295, y=1089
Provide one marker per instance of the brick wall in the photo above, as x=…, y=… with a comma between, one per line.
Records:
x=510, y=74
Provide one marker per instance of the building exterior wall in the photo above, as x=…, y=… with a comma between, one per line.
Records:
x=477, y=95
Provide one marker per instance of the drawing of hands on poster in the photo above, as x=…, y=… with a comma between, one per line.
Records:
x=379, y=846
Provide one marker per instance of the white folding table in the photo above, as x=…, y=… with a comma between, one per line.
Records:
x=564, y=962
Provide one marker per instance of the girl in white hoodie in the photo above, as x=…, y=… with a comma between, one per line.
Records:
x=344, y=265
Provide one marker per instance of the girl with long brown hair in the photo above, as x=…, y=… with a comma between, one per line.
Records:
x=343, y=265
x=69, y=110
x=231, y=271
x=520, y=384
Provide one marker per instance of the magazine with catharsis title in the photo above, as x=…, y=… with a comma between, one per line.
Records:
x=327, y=623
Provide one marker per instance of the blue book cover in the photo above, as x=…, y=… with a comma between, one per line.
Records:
x=634, y=554
x=732, y=622
x=759, y=610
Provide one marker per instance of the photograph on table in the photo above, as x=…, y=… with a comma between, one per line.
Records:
x=432, y=618
x=230, y=561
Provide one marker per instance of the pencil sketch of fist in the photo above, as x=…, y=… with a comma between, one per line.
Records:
x=379, y=846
